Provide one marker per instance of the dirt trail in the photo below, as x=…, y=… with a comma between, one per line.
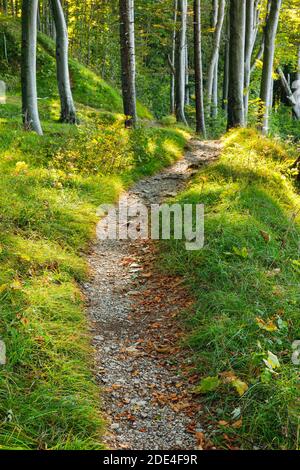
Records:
x=145, y=399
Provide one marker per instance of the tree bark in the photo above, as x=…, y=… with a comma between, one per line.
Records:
x=268, y=62
x=200, y=117
x=30, y=112
x=172, y=91
x=213, y=66
x=293, y=97
x=68, y=112
x=187, y=74
x=226, y=67
x=180, y=62
x=127, y=43
x=252, y=21
x=236, y=63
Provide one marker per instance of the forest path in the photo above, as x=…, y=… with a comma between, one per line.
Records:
x=146, y=399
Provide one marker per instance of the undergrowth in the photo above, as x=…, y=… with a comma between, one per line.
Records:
x=246, y=288
x=50, y=188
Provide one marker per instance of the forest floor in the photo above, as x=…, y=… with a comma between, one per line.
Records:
x=145, y=376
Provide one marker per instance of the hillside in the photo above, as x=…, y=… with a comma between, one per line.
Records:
x=88, y=88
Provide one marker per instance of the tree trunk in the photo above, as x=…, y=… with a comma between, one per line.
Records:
x=200, y=117
x=68, y=112
x=226, y=67
x=252, y=23
x=293, y=97
x=298, y=65
x=268, y=62
x=127, y=42
x=30, y=112
x=213, y=66
x=187, y=74
x=236, y=63
x=172, y=92
x=249, y=43
x=180, y=62
x=214, y=111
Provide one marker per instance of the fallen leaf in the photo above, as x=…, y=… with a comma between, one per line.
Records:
x=209, y=384
x=272, y=362
x=267, y=326
x=266, y=236
x=238, y=424
x=240, y=386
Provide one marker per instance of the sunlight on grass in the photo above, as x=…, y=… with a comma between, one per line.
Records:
x=246, y=287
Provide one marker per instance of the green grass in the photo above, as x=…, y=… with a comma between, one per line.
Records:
x=50, y=188
x=88, y=88
x=246, y=288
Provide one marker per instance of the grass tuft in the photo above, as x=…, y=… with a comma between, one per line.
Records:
x=246, y=287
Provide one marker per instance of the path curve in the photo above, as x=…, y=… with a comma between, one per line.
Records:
x=146, y=403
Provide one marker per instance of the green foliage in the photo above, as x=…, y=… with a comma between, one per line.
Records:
x=50, y=188
x=246, y=285
x=88, y=88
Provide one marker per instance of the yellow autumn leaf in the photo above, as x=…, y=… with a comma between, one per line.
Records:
x=16, y=285
x=240, y=386
x=3, y=288
x=267, y=326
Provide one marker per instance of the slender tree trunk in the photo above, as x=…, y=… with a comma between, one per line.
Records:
x=298, y=65
x=213, y=66
x=226, y=67
x=292, y=96
x=250, y=5
x=127, y=42
x=214, y=110
x=180, y=62
x=28, y=67
x=187, y=74
x=252, y=23
x=267, y=73
x=200, y=117
x=68, y=112
x=172, y=92
x=236, y=63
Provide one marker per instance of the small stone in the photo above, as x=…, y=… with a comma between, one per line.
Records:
x=98, y=338
x=115, y=426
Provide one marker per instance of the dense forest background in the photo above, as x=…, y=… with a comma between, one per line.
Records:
x=94, y=38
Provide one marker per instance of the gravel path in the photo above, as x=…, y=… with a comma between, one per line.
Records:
x=145, y=400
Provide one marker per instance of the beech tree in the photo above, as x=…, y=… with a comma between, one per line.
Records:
x=226, y=65
x=28, y=66
x=180, y=72
x=127, y=42
x=292, y=92
x=252, y=23
x=68, y=112
x=200, y=116
x=212, y=81
x=237, y=15
x=172, y=61
x=266, y=91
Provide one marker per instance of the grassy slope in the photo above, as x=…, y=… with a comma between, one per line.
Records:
x=246, y=289
x=88, y=88
x=49, y=189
